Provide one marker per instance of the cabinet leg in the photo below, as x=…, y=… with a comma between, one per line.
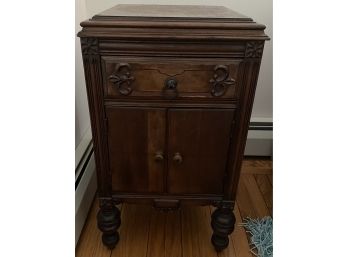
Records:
x=108, y=222
x=222, y=222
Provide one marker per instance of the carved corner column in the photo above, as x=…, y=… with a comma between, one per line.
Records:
x=109, y=220
x=94, y=86
x=222, y=222
x=108, y=217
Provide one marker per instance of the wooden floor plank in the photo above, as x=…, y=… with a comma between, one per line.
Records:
x=173, y=240
x=266, y=189
x=203, y=218
x=189, y=240
x=257, y=166
x=190, y=243
x=270, y=178
x=196, y=232
x=156, y=242
x=239, y=237
x=83, y=245
x=244, y=200
x=134, y=231
x=90, y=243
x=250, y=199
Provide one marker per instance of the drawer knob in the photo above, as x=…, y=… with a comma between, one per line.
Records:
x=170, y=91
x=177, y=158
x=221, y=80
x=159, y=156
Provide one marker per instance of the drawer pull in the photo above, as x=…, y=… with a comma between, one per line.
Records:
x=159, y=156
x=170, y=91
x=122, y=78
x=221, y=80
x=177, y=158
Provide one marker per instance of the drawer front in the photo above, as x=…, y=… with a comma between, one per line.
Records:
x=170, y=78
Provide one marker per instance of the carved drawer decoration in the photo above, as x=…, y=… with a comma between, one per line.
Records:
x=221, y=80
x=122, y=78
x=169, y=78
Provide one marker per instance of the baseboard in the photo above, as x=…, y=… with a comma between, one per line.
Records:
x=85, y=187
x=260, y=139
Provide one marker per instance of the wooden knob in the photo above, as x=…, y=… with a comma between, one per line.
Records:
x=170, y=91
x=159, y=156
x=177, y=158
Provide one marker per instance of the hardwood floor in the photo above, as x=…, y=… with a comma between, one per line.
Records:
x=187, y=232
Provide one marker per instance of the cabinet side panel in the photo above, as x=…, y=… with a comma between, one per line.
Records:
x=249, y=74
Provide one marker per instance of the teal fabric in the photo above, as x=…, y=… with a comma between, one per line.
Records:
x=261, y=231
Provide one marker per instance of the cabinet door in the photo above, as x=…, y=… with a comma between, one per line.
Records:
x=136, y=141
x=198, y=150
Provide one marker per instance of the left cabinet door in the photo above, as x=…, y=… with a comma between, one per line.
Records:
x=136, y=142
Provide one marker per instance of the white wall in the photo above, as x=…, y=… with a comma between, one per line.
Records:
x=82, y=123
x=259, y=10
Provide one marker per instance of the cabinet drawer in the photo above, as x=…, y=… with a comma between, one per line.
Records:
x=170, y=78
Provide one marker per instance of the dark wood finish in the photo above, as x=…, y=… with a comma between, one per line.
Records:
x=198, y=148
x=182, y=233
x=136, y=140
x=142, y=77
x=222, y=222
x=170, y=92
x=171, y=11
x=108, y=222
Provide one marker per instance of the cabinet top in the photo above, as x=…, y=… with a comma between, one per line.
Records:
x=172, y=22
x=171, y=11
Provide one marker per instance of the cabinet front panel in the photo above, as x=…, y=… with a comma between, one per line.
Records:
x=136, y=140
x=198, y=150
x=170, y=78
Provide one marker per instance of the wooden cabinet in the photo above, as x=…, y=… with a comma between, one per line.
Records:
x=170, y=93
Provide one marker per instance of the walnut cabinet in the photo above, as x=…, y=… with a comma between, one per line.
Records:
x=170, y=92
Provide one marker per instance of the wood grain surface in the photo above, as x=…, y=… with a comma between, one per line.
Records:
x=147, y=232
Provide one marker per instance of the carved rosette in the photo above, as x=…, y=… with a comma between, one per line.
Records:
x=254, y=49
x=122, y=78
x=89, y=46
x=221, y=80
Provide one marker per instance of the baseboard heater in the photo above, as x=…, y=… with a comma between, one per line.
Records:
x=260, y=139
x=85, y=186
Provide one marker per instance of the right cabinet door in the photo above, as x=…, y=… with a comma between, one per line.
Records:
x=198, y=141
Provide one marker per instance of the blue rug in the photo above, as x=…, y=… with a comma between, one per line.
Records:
x=261, y=231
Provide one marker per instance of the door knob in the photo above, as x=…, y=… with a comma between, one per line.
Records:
x=177, y=158
x=159, y=156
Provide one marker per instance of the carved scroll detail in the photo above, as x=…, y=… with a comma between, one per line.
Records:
x=254, y=49
x=221, y=80
x=122, y=78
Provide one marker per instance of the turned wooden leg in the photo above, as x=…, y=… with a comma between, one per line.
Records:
x=222, y=222
x=108, y=222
